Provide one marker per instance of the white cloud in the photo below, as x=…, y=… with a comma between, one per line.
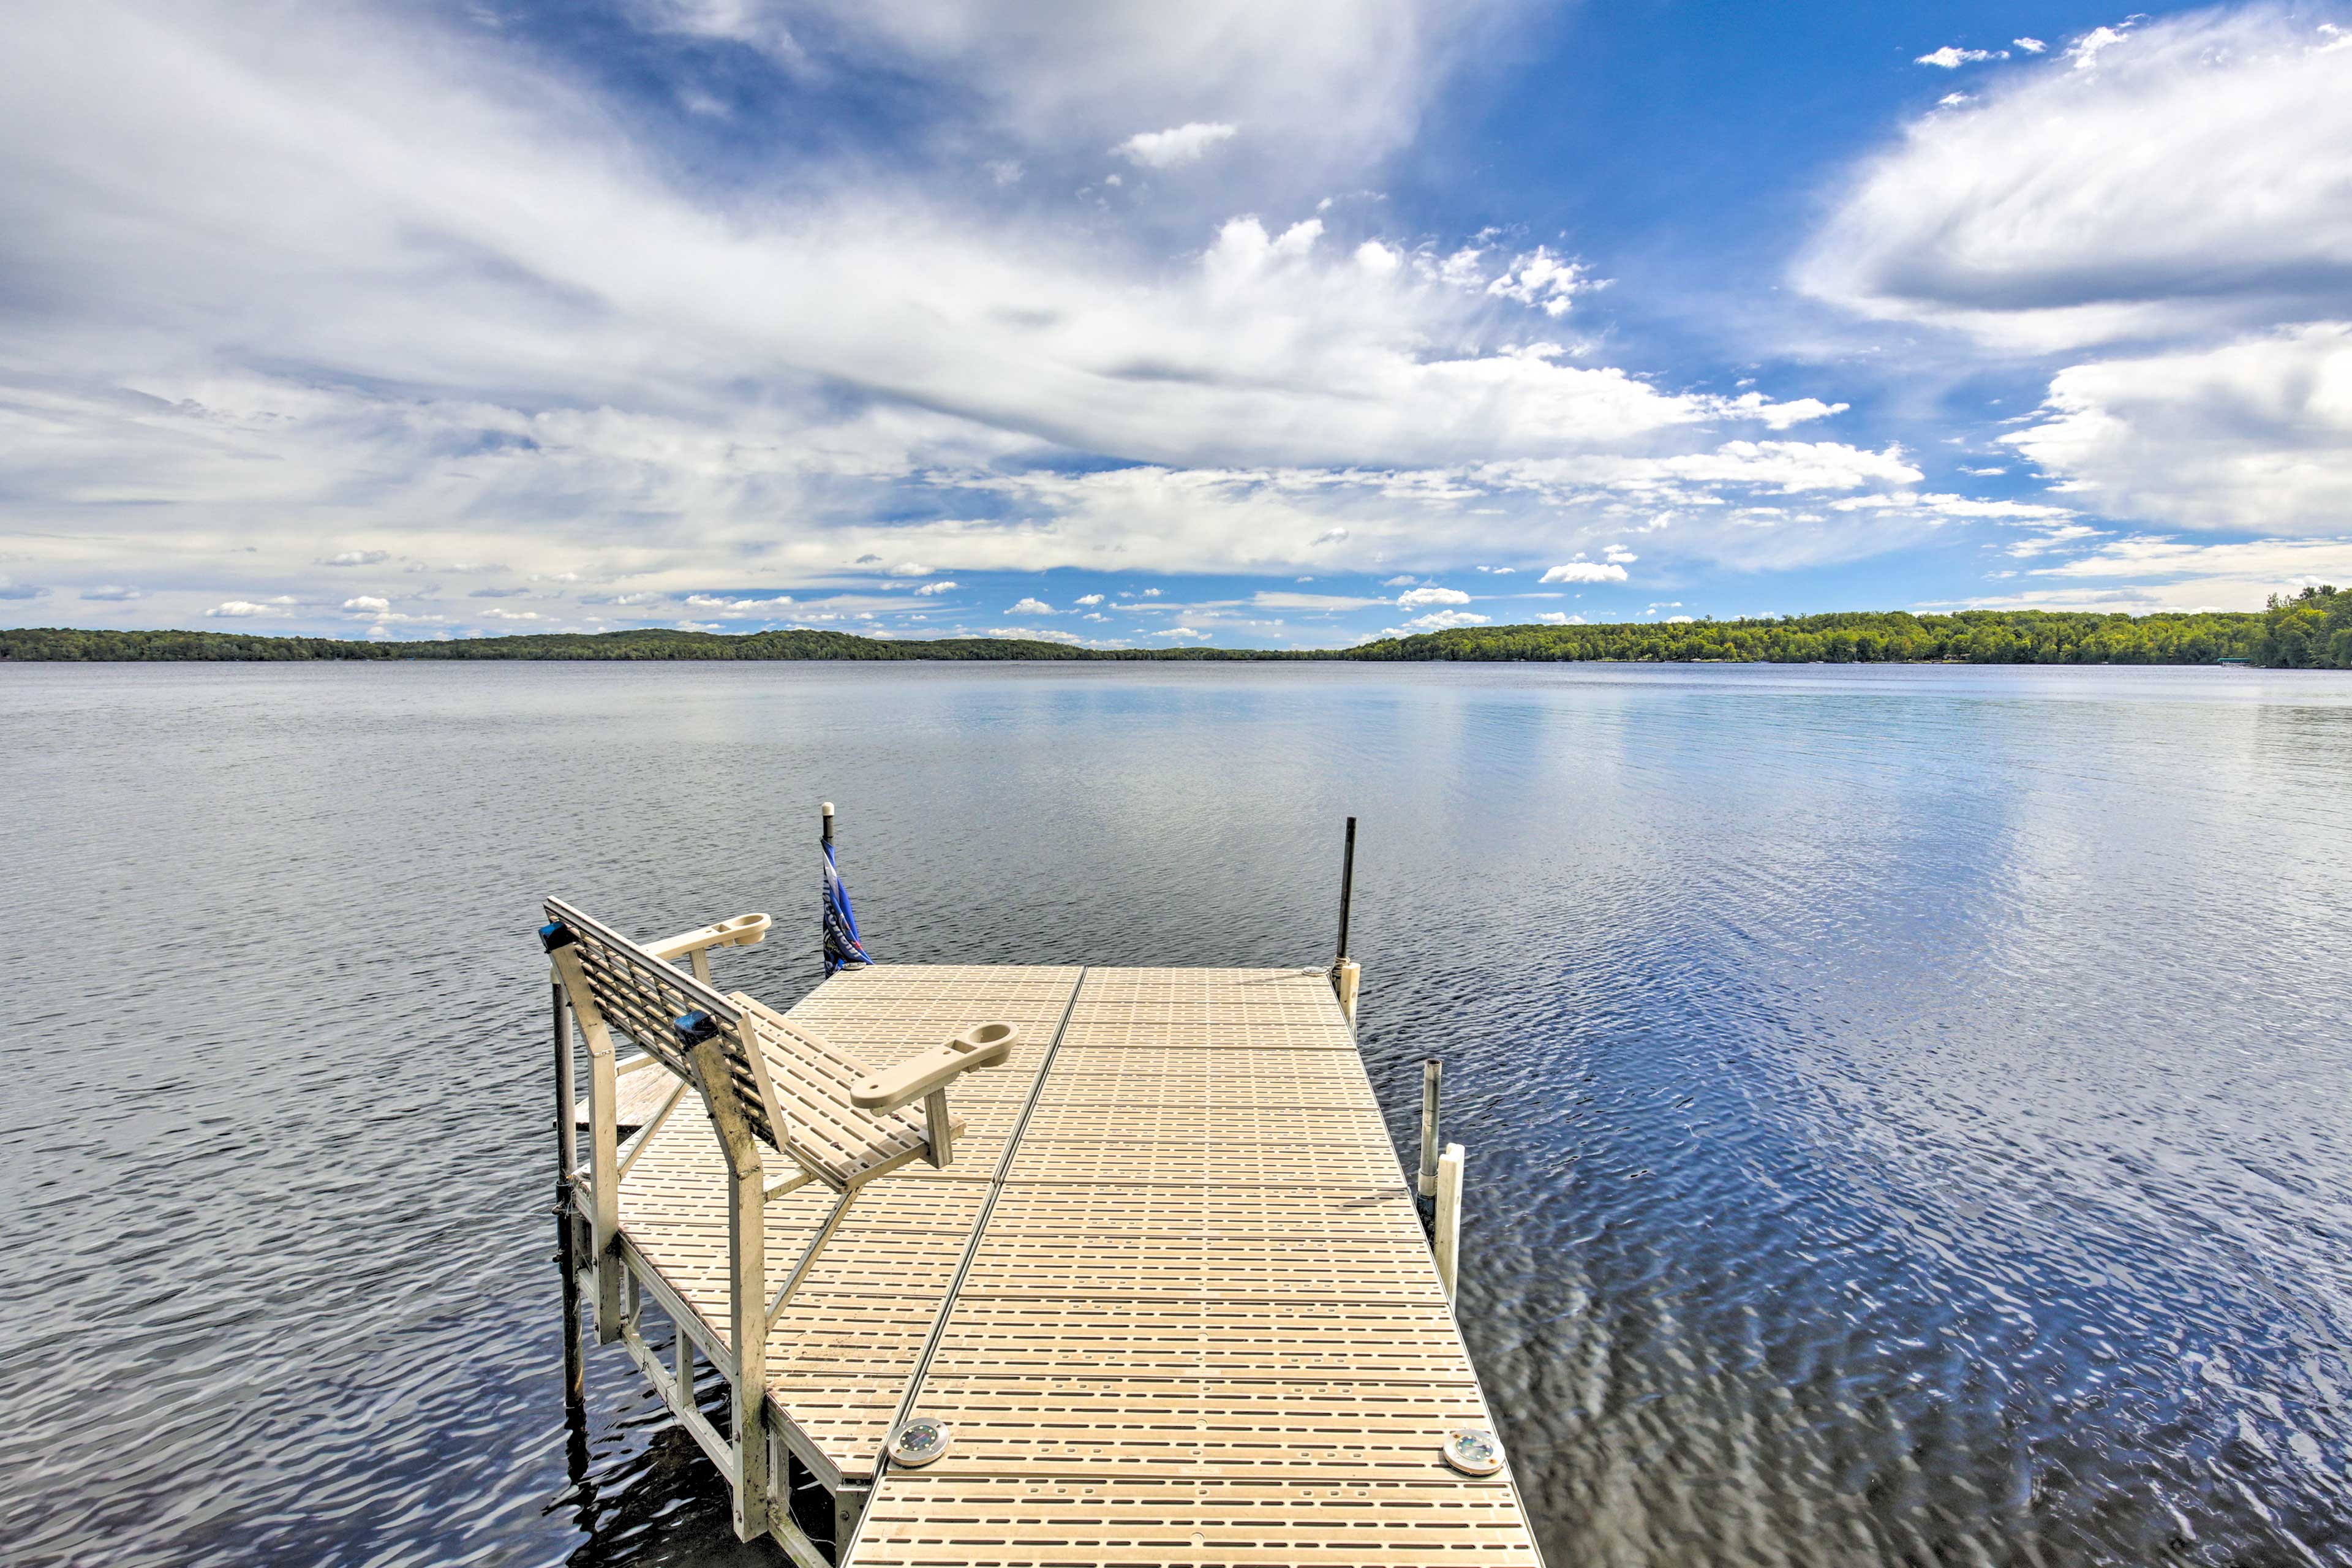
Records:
x=1265, y=600
x=365, y=604
x=2028, y=45
x=930, y=590
x=2091, y=45
x=1586, y=572
x=1172, y=148
x=110, y=593
x=728, y=609
x=1402, y=582
x=1433, y=595
x=1618, y=555
x=1031, y=607
x=1678, y=620
x=1560, y=618
x=1090, y=599
x=2148, y=573
x=1151, y=593
x=408, y=306
x=1545, y=281
x=1951, y=58
x=239, y=608
x=909, y=569
x=2195, y=179
x=2253, y=434
x=1182, y=632
x=1436, y=621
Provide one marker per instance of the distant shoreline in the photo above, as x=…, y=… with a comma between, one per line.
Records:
x=2313, y=630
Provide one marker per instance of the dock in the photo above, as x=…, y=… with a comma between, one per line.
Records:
x=1171, y=1301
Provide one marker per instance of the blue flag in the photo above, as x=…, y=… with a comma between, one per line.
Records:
x=843, y=950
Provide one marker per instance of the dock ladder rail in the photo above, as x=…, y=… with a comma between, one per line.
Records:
x=769, y=1086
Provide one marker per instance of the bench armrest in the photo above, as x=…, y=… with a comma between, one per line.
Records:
x=741, y=931
x=983, y=1045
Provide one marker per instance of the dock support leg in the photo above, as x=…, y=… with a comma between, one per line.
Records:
x=1347, y=978
x=746, y=1304
x=1426, y=1183
x=1449, y=1216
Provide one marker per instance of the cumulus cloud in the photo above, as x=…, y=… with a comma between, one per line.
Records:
x=2193, y=179
x=1182, y=634
x=1413, y=597
x=1090, y=600
x=1560, y=618
x=2169, y=206
x=1031, y=607
x=2255, y=433
x=239, y=608
x=363, y=605
x=930, y=590
x=1437, y=621
x=909, y=569
x=2028, y=45
x=423, y=315
x=1175, y=147
x=1951, y=58
x=1586, y=572
x=1545, y=281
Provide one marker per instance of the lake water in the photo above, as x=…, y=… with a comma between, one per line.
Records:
x=1909, y=1110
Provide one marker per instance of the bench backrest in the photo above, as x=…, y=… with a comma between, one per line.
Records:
x=646, y=998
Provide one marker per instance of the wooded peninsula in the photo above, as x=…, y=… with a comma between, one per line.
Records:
x=2310, y=630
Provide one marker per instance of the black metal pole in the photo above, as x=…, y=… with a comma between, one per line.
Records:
x=575, y=1383
x=1347, y=885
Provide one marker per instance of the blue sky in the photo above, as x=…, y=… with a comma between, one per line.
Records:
x=1279, y=323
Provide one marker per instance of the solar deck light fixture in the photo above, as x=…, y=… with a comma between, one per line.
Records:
x=1473, y=1451
x=918, y=1442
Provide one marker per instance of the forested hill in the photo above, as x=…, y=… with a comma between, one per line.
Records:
x=2310, y=630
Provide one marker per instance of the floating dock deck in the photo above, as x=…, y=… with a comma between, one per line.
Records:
x=1171, y=1301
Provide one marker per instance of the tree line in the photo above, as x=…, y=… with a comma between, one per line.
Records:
x=2309, y=630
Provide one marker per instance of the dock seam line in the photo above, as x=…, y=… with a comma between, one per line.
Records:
x=971, y=1250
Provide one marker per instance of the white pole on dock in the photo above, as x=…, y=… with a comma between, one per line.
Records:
x=1431, y=1070
x=1449, y=1216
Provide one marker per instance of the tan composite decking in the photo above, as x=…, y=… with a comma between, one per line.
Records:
x=1187, y=1315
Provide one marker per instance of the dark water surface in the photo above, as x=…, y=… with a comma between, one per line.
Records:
x=1909, y=1110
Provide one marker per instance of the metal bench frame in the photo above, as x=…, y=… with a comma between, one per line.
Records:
x=712, y=1043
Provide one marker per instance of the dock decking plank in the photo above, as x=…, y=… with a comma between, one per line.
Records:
x=1199, y=1324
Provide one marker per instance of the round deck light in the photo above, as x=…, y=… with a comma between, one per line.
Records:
x=1473, y=1451
x=918, y=1442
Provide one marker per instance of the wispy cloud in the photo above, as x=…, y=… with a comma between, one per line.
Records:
x=1175, y=147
